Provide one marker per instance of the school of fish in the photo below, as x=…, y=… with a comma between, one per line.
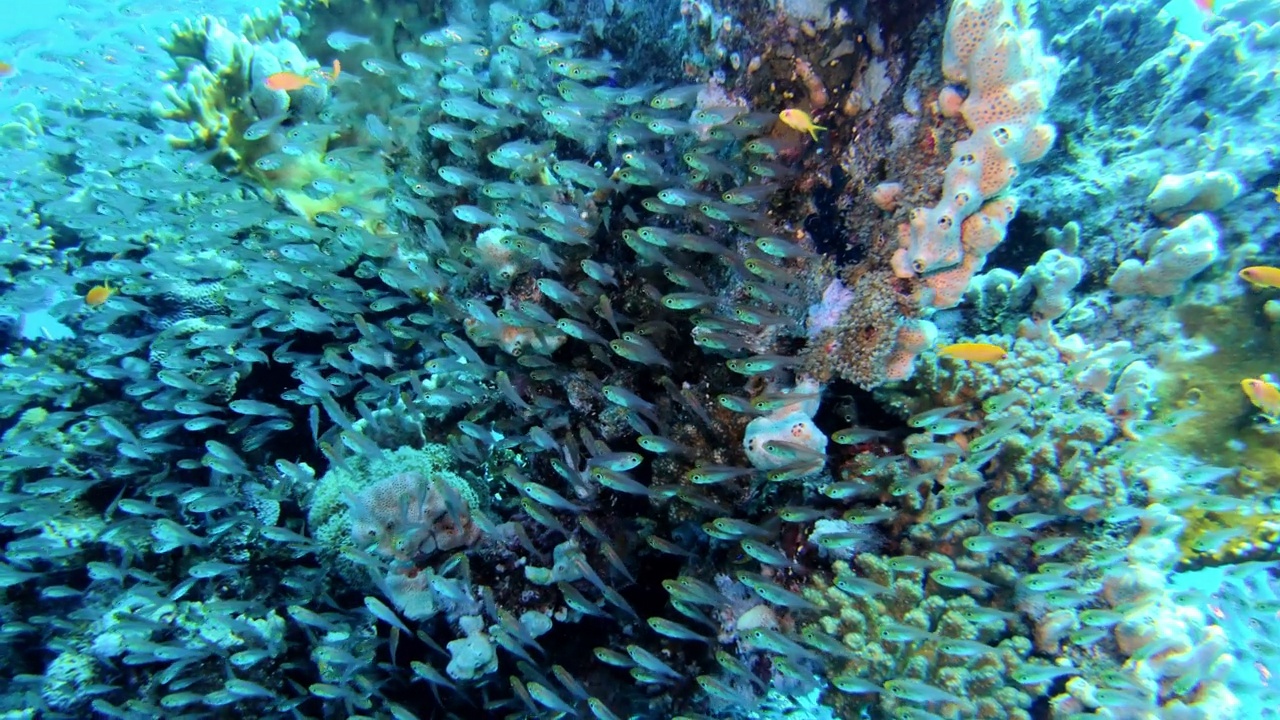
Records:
x=515, y=372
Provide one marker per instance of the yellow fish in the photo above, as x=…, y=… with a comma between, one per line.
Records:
x=974, y=352
x=1261, y=276
x=800, y=120
x=99, y=294
x=1264, y=395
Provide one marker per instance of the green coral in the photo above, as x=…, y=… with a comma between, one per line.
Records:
x=66, y=678
x=212, y=86
x=990, y=295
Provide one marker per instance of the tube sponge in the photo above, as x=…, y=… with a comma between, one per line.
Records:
x=471, y=656
x=1053, y=278
x=914, y=337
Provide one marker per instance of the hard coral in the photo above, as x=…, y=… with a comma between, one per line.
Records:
x=904, y=634
x=862, y=343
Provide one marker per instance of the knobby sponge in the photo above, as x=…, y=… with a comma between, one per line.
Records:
x=1199, y=191
x=1175, y=257
x=989, y=47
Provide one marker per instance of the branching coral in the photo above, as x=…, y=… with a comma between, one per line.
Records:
x=908, y=645
x=865, y=342
x=577, y=258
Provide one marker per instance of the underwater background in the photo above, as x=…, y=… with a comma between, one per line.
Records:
x=621, y=359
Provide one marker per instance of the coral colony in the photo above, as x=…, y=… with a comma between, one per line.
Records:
x=654, y=360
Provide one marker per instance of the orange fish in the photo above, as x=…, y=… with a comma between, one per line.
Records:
x=287, y=81
x=800, y=120
x=1264, y=395
x=1205, y=5
x=974, y=352
x=1261, y=276
x=98, y=294
x=6, y=69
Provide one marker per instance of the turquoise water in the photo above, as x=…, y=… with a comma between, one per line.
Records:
x=29, y=16
x=373, y=359
x=1190, y=17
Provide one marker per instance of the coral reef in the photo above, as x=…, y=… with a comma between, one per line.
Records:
x=611, y=359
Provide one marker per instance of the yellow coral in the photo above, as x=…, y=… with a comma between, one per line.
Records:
x=212, y=91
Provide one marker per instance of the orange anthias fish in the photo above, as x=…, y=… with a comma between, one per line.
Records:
x=6, y=70
x=1264, y=395
x=1205, y=5
x=287, y=81
x=800, y=120
x=1261, y=276
x=99, y=294
x=974, y=352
